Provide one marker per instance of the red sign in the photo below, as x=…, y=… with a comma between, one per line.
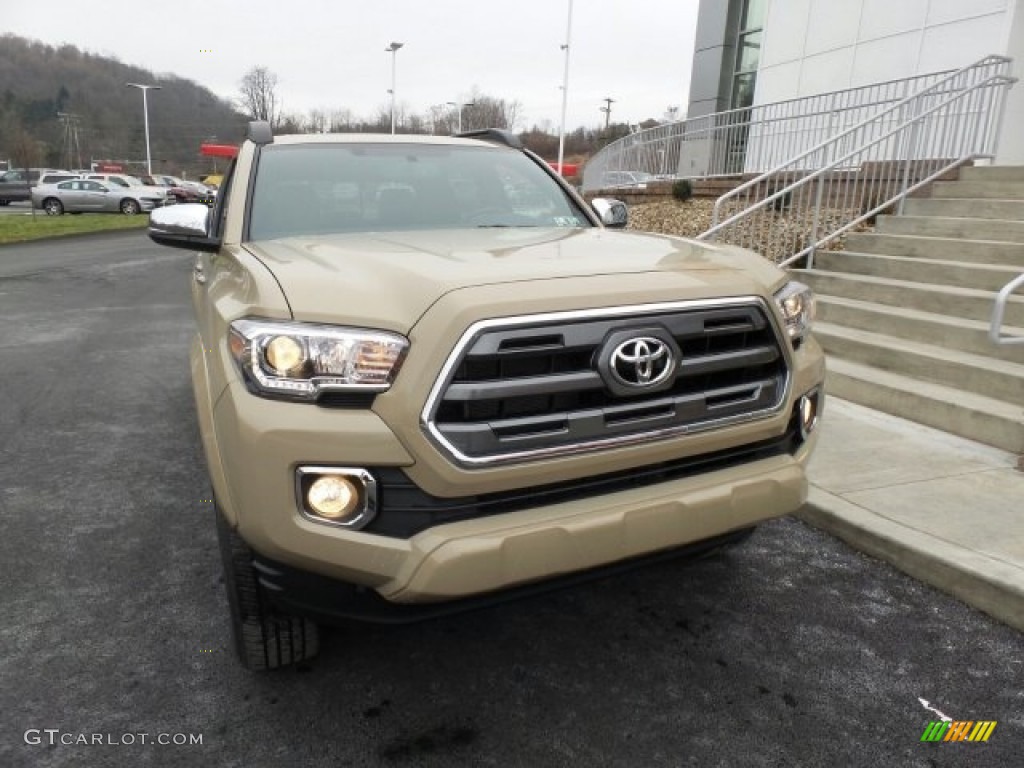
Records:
x=218, y=150
x=109, y=168
x=568, y=169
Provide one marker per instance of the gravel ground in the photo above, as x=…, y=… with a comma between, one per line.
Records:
x=777, y=235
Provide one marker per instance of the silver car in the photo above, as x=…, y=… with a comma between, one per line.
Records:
x=86, y=195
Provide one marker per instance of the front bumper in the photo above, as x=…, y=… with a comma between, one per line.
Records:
x=483, y=554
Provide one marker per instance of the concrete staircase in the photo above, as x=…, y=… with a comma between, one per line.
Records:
x=903, y=313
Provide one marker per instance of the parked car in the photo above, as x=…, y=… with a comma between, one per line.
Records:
x=182, y=190
x=55, y=177
x=429, y=375
x=131, y=182
x=16, y=185
x=635, y=179
x=87, y=195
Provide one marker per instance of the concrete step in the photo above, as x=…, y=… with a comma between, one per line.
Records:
x=912, y=324
x=957, y=207
x=1000, y=190
x=992, y=173
x=986, y=277
x=946, y=300
x=975, y=417
x=952, y=249
x=954, y=368
x=968, y=229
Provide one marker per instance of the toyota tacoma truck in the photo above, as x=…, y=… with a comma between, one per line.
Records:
x=429, y=375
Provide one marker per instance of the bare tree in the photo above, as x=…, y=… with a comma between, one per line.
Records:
x=258, y=89
x=342, y=121
x=316, y=121
x=490, y=112
x=442, y=119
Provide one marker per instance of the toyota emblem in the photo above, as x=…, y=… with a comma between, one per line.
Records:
x=642, y=362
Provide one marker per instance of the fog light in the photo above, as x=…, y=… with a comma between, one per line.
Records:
x=333, y=497
x=808, y=413
x=339, y=496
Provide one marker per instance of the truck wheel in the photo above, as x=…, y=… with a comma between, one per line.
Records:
x=264, y=638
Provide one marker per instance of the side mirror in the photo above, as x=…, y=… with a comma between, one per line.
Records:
x=612, y=212
x=183, y=226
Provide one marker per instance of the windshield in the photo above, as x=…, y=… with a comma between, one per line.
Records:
x=333, y=188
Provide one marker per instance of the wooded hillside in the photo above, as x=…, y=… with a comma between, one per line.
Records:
x=38, y=81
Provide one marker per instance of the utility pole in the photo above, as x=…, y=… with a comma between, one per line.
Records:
x=70, y=145
x=607, y=109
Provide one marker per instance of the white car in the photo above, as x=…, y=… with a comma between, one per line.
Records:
x=115, y=180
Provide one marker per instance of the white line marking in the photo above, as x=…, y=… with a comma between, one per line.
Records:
x=926, y=705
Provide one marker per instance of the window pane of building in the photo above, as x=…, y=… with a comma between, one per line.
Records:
x=749, y=52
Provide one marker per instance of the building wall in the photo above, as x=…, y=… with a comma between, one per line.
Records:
x=1011, y=143
x=814, y=46
x=713, y=56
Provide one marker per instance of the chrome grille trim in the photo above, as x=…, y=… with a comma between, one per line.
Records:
x=558, y=423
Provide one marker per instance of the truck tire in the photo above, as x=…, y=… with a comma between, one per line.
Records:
x=264, y=638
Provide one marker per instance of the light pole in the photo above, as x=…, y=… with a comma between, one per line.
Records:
x=565, y=90
x=460, y=108
x=393, y=50
x=145, y=117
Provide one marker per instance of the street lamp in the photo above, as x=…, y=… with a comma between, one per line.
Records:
x=145, y=117
x=565, y=90
x=460, y=107
x=393, y=50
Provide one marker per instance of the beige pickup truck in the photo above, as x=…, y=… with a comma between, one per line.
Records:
x=428, y=376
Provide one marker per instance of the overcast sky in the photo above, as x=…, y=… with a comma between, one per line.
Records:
x=331, y=53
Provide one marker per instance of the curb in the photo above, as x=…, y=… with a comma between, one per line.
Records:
x=66, y=235
x=986, y=583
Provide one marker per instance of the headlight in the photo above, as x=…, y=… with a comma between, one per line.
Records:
x=300, y=360
x=796, y=301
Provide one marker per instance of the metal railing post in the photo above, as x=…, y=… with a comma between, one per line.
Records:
x=998, y=310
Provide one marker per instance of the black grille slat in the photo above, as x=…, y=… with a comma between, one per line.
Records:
x=538, y=387
x=692, y=366
x=526, y=385
x=405, y=509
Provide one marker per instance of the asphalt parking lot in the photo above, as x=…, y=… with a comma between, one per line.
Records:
x=15, y=208
x=793, y=650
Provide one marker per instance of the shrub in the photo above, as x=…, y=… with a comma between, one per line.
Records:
x=682, y=189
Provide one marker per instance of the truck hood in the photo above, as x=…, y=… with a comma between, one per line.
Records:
x=388, y=280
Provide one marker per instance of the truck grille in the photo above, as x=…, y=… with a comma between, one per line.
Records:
x=519, y=388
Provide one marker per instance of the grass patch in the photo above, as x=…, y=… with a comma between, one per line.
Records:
x=16, y=228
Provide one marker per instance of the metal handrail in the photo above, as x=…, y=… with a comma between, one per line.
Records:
x=714, y=145
x=823, y=191
x=995, y=333
x=906, y=190
x=987, y=61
